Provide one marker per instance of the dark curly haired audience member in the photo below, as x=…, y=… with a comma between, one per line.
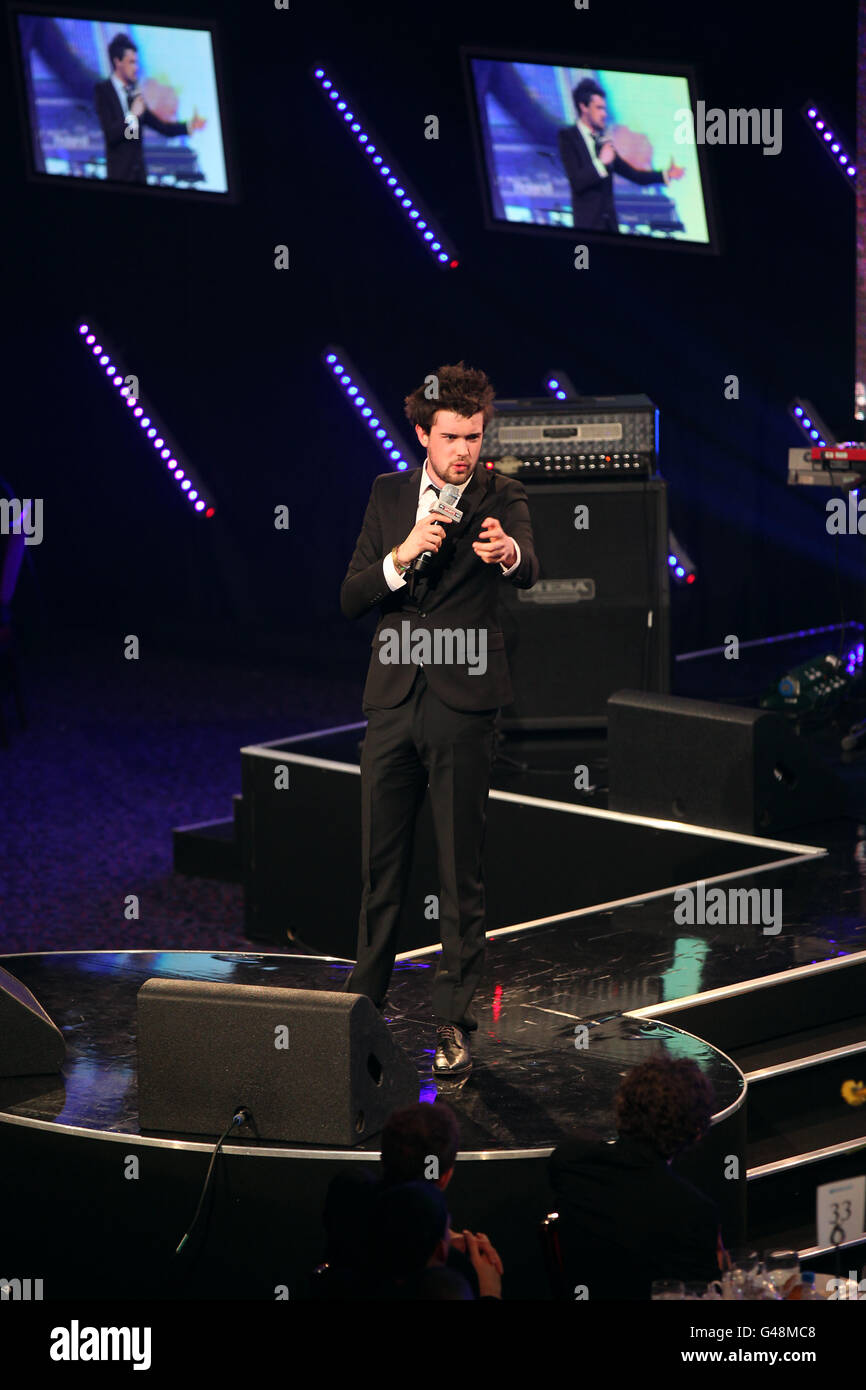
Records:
x=627, y=1219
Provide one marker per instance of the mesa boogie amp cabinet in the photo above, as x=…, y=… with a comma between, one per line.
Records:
x=598, y=618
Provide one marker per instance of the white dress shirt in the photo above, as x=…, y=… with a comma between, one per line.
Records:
x=590, y=145
x=129, y=119
x=427, y=499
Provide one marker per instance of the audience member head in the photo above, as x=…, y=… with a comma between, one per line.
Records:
x=420, y=1142
x=665, y=1103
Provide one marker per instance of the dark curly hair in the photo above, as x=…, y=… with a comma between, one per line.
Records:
x=461, y=389
x=666, y=1103
x=414, y=1134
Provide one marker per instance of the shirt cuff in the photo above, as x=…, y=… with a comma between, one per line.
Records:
x=392, y=578
x=506, y=572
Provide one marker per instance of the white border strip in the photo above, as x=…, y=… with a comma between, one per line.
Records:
x=781, y=977
x=620, y=902
x=814, y=1059
x=767, y=1170
x=262, y=750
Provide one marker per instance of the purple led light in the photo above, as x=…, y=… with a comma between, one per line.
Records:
x=82, y=328
x=90, y=338
x=199, y=506
x=178, y=472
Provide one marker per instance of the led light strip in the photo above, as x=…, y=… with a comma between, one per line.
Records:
x=188, y=485
x=409, y=202
x=358, y=393
x=832, y=144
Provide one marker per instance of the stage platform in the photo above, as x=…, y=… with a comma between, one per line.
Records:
x=100, y=1206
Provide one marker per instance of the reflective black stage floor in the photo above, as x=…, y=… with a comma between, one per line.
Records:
x=534, y=1078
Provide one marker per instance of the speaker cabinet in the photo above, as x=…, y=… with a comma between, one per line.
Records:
x=311, y=1066
x=598, y=618
x=30, y=1043
x=717, y=765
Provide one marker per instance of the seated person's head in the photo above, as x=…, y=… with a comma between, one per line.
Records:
x=665, y=1103
x=420, y=1141
x=412, y=1229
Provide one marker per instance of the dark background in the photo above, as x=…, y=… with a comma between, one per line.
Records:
x=228, y=349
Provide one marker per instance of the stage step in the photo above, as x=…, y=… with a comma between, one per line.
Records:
x=781, y=1194
x=799, y=1037
x=210, y=849
x=771, y=1007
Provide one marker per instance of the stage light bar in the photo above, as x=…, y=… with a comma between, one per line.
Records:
x=188, y=484
x=682, y=570
x=397, y=185
x=358, y=394
x=560, y=385
x=809, y=422
x=835, y=147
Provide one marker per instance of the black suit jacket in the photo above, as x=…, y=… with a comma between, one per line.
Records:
x=459, y=590
x=627, y=1219
x=592, y=199
x=125, y=158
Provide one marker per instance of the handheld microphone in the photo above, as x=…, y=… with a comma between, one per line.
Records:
x=447, y=504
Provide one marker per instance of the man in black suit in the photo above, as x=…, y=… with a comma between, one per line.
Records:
x=627, y=1219
x=437, y=677
x=589, y=161
x=122, y=109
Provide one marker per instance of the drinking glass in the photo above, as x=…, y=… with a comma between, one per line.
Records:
x=665, y=1290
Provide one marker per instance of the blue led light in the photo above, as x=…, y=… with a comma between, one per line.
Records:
x=380, y=434
x=345, y=379
x=366, y=411
x=798, y=410
x=352, y=391
x=331, y=357
x=679, y=571
x=672, y=559
x=436, y=247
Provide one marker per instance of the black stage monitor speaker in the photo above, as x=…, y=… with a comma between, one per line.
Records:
x=744, y=770
x=598, y=619
x=311, y=1066
x=30, y=1044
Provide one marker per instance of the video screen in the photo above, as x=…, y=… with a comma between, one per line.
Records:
x=594, y=149
x=122, y=102
x=860, y=350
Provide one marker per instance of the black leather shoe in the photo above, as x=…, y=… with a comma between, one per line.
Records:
x=452, y=1051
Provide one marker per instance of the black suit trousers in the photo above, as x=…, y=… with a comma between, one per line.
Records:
x=423, y=741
